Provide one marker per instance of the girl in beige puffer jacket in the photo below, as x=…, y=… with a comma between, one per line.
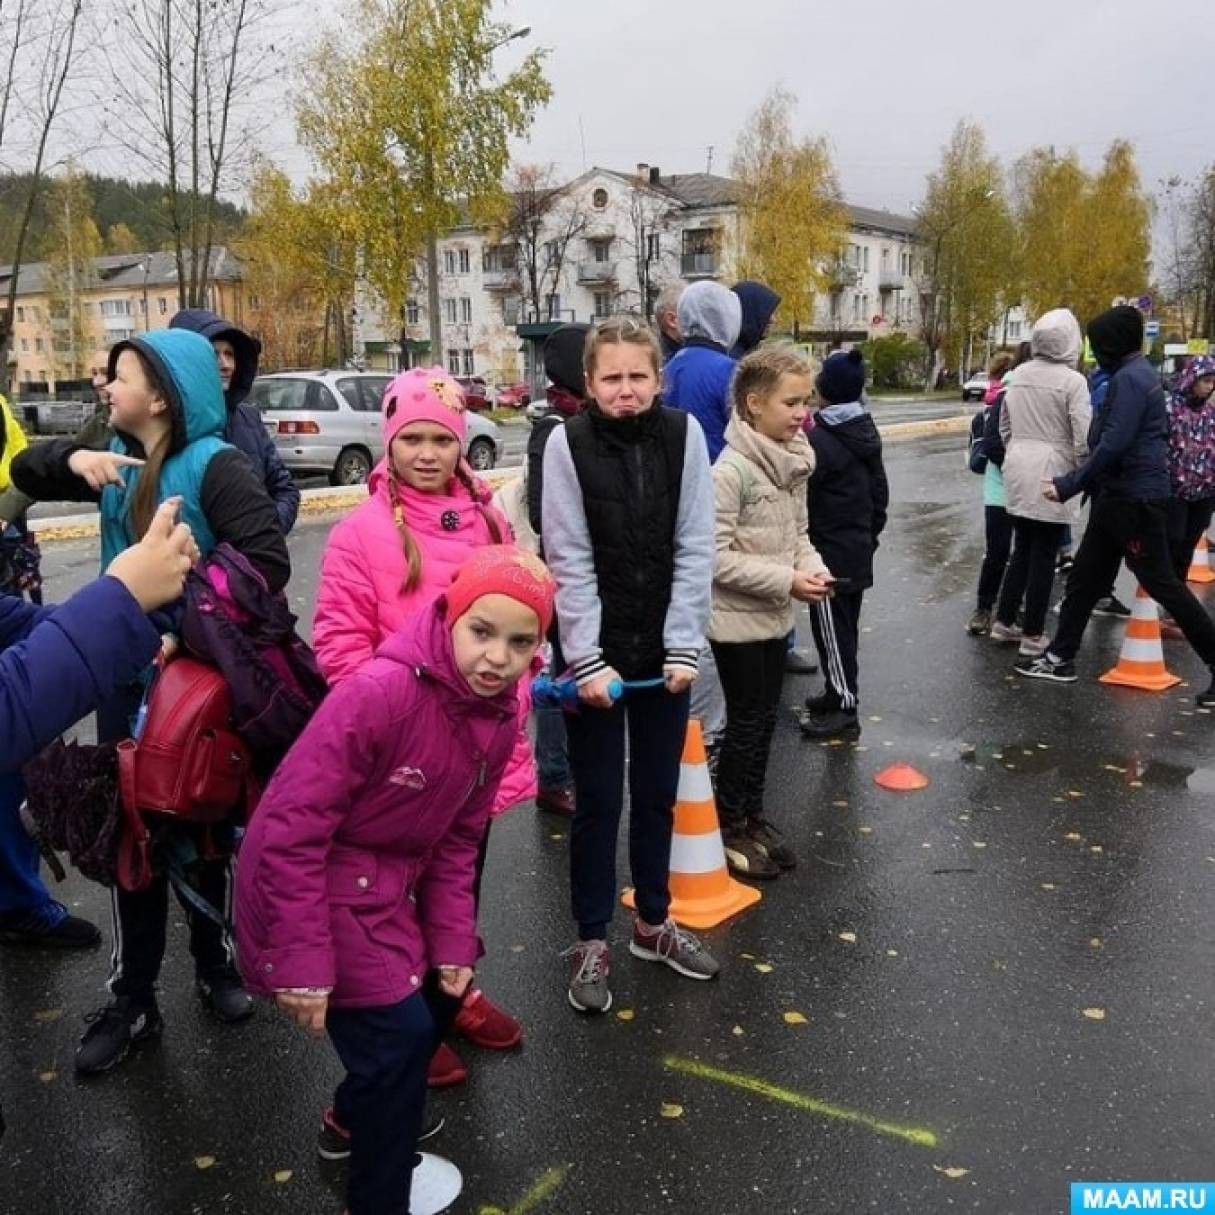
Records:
x=765, y=561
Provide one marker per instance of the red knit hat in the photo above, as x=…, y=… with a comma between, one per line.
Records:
x=502, y=569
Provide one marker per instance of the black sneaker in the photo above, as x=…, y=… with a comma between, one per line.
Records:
x=31, y=929
x=333, y=1140
x=745, y=857
x=1111, y=605
x=1045, y=667
x=798, y=662
x=838, y=723
x=113, y=1030
x=824, y=702
x=772, y=842
x=224, y=994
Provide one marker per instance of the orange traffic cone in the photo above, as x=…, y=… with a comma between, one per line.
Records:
x=703, y=893
x=902, y=778
x=1200, y=564
x=1141, y=663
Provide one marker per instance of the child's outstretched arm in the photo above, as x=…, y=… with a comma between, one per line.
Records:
x=683, y=634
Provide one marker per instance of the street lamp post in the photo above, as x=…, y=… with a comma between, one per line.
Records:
x=432, y=239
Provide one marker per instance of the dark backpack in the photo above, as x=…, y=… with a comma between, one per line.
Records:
x=233, y=621
x=976, y=456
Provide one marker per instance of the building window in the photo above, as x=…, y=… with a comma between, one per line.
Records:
x=449, y=260
x=866, y=259
x=498, y=257
x=552, y=306
x=449, y=311
x=512, y=308
x=115, y=307
x=551, y=252
x=412, y=313
x=601, y=250
x=143, y=307
x=599, y=199
x=453, y=362
x=653, y=249
x=466, y=310
x=162, y=305
x=20, y=313
x=464, y=261
x=469, y=365
x=39, y=345
x=856, y=306
x=1014, y=329
x=25, y=345
x=603, y=304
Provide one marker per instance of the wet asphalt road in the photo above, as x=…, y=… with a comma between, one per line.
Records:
x=1005, y=979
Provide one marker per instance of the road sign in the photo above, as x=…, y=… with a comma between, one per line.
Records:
x=1198, y=346
x=1152, y=330
x=1144, y=303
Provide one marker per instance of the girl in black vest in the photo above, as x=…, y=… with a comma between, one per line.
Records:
x=628, y=532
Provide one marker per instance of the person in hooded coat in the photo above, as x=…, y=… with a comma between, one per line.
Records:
x=697, y=379
x=1043, y=425
x=848, y=499
x=1127, y=474
x=237, y=353
x=759, y=304
x=1191, y=459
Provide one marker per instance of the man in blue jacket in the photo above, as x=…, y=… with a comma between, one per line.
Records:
x=1128, y=477
x=237, y=353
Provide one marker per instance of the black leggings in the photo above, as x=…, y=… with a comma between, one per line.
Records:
x=1031, y=573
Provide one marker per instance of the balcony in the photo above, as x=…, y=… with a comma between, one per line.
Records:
x=596, y=272
x=699, y=265
x=501, y=279
x=842, y=275
x=892, y=280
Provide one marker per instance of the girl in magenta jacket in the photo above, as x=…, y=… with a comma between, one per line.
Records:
x=389, y=560
x=355, y=904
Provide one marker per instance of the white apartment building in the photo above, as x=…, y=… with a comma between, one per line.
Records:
x=609, y=243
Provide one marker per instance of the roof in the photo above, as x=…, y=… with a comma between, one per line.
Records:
x=123, y=271
x=883, y=221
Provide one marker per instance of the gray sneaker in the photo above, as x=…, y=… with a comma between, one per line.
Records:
x=589, y=991
x=677, y=947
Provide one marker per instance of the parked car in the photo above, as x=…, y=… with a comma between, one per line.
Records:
x=537, y=409
x=329, y=422
x=514, y=396
x=476, y=393
x=975, y=389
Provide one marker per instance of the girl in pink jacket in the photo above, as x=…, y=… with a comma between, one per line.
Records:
x=355, y=905
x=388, y=561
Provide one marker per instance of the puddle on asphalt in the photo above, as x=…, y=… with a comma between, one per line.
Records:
x=1037, y=759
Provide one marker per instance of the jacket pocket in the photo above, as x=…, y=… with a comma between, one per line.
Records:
x=361, y=880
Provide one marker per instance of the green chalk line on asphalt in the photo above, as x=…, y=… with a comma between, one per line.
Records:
x=549, y=1182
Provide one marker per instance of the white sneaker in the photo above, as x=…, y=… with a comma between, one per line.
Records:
x=1033, y=647
x=436, y=1185
x=1005, y=632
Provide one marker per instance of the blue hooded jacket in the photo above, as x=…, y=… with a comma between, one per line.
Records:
x=244, y=428
x=186, y=363
x=759, y=305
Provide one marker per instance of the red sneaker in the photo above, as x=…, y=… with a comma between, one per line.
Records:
x=445, y=1069
x=485, y=1024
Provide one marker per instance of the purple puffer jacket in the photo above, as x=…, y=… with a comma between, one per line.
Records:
x=357, y=870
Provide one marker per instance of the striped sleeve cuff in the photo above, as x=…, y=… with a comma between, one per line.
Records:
x=587, y=669
x=686, y=660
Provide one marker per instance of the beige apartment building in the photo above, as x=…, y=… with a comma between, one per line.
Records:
x=57, y=326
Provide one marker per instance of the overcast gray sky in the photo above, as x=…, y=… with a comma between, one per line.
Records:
x=886, y=80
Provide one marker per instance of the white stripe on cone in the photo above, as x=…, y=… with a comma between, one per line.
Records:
x=1139, y=649
x=1144, y=608
x=694, y=783
x=697, y=853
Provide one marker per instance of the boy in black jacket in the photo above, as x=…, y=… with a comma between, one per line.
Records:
x=848, y=496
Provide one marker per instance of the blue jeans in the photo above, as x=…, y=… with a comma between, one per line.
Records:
x=22, y=890
x=656, y=723
x=552, y=758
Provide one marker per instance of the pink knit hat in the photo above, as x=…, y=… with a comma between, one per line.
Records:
x=424, y=394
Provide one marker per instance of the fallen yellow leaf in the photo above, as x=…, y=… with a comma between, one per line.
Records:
x=764, y=968
x=841, y=804
x=1049, y=886
x=1096, y=848
x=952, y=1173
x=283, y=1176
x=48, y=1077
x=795, y=1018
x=1074, y=836
x=750, y=957
x=865, y=830
x=892, y=953
x=48, y=1015
x=556, y=835
x=849, y=937
x=980, y=844
x=1074, y=793
x=1095, y=1014
x=670, y=1110
x=203, y=1162
x=1094, y=942
x=737, y=1031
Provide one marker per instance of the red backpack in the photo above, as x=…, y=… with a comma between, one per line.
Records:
x=187, y=763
